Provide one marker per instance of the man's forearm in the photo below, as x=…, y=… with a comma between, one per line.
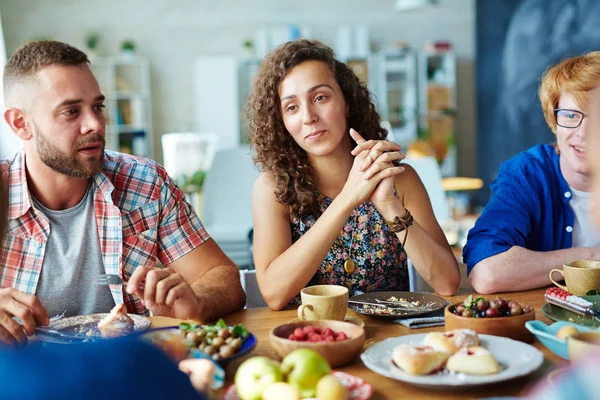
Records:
x=219, y=292
x=521, y=269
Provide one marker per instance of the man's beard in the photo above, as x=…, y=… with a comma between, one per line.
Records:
x=68, y=164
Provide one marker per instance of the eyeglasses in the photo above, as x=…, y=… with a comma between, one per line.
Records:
x=568, y=118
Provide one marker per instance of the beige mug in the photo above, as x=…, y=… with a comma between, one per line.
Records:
x=579, y=345
x=580, y=276
x=323, y=302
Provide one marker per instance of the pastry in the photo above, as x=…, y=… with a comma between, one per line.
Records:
x=117, y=323
x=451, y=341
x=418, y=360
x=474, y=360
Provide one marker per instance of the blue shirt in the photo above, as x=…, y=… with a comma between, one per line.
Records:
x=529, y=208
x=109, y=369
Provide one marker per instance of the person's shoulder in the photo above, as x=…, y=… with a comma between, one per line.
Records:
x=539, y=160
x=116, y=163
x=6, y=163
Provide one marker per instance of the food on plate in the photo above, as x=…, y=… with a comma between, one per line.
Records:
x=481, y=308
x=254, y=375
x=303, y=369
x=474, y=360
x=218, y=341
x=451, y=341
x=330, y=388
x=116, y=323
x=566, y=331
x=418, y=360
x=316, y=334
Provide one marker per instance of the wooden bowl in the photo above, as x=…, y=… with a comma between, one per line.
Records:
x=336, y=353
x=511, y=327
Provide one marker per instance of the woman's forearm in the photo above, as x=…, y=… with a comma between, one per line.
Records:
x=433, y=261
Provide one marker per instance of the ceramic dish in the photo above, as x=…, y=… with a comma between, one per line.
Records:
x=337, y=353
x=357, y=388
x=348, y=318
x=404, y=304
x=547, y=335
x=164, y=334
x=516, y=358
x=82, y=328
x=556, y=313
x=512, y=327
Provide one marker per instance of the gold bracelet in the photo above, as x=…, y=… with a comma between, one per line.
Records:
x=399, y=224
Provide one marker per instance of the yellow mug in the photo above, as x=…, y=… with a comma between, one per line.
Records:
x=580, y=276
x=323, y=302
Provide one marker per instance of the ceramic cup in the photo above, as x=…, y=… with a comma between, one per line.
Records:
x=581, y=344
x=580, y=276
x=323, y=302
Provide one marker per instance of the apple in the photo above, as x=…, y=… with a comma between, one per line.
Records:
x=281, y=391
x=330, y=388
x=254, y=375
x=303, y=369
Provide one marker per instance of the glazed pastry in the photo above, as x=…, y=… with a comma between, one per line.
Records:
x=474, y=360
x=117, y=323
x=451, y=341
x=418, y=360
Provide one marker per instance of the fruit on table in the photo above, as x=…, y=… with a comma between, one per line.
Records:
x=316, y=334
x=565, y=331
x=330, y=388
x=304, y=368
x=281, y=391
x=254, y=376
x=482, y=308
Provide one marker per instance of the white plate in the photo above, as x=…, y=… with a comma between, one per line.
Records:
x=75, y=329
x=516, y=358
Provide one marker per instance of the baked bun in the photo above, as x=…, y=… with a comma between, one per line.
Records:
x=418, y=360
x=451, y=341
x=117, y=323
x=474, y=360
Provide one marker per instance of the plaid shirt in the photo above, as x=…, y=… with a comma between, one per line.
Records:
x=141, y=216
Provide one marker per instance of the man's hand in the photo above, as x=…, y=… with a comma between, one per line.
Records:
x=26, y=307
x=164, y=292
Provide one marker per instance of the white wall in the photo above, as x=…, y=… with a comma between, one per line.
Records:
x=173, y=32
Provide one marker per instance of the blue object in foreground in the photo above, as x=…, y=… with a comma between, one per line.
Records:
x=547, y=335
x=108, y=369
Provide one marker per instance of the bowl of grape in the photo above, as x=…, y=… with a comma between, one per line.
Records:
x=493, y=316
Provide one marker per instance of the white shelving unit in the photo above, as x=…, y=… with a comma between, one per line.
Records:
x=125, y=81
x=438, y=104
x=393, y=79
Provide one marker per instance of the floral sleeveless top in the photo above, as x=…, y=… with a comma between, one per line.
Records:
x=365, y=239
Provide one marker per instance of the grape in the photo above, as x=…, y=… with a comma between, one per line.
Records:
x=491, y=312
x=482, y=305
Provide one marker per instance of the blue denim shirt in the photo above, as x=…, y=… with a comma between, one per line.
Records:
x=529, y=208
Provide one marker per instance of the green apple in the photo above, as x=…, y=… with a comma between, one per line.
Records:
x=281, y=391
x=254, y=375
x=303, y=369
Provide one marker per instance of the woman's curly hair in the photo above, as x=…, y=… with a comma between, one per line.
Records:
x=274, y=150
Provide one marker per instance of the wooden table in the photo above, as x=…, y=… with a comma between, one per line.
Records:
x=259, y=321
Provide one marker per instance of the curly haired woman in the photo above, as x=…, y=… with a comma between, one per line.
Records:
x=331, y=204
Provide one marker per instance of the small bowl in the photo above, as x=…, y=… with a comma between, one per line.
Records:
x=547, y=335
x=158, y=335
x=511, y=327
x=336, y=353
